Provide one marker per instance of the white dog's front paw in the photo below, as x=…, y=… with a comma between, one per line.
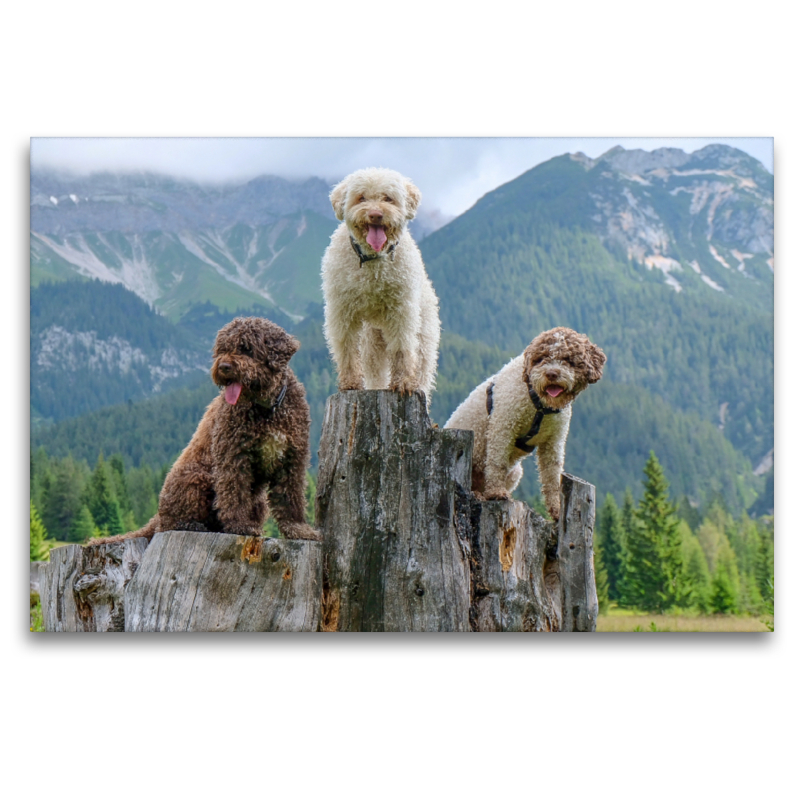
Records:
x=351, y=384
x=404, y=385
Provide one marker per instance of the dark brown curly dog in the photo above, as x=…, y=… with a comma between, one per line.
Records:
x=250, y=452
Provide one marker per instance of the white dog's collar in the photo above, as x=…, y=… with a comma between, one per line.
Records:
x=362, y=258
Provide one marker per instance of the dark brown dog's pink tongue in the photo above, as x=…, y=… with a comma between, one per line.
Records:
x=554, y=391
x=376, y=238
x=232, y=393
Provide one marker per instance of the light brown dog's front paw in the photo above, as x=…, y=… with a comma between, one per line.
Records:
x=301, y=531
x=500, y=494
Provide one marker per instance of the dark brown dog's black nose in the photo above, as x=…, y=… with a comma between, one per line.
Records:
x=225, y=367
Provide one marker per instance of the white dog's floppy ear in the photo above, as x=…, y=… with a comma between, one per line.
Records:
x=413, y=196
x=338, y=197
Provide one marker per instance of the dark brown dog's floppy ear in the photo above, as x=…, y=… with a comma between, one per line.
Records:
x=338, y=197
x=284, y=348
x=413, y=198
x=597, y=358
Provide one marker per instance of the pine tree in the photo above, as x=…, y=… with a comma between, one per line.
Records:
x=725, y=585
x=600, y=576
x=611, y=535
x=642, y=568
x=101, y=500
x=83, y=527
x=698, y=577
x=40, y=550
x=117, y=471
x=61, y=498
x=660, y=520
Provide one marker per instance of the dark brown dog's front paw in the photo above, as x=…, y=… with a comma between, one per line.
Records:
x=301, y=531
x=243, y=530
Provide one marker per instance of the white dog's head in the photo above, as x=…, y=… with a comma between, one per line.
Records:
x=375, y=204
x=559, y=364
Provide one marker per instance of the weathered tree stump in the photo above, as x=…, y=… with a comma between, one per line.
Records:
x=509, y=558
x=190, y=581
x=575, y=562
x=82, y=588
x=393, y=505
x=406, y=547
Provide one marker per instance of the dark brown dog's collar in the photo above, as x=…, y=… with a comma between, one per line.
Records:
x=269, y=411
x=362, y=258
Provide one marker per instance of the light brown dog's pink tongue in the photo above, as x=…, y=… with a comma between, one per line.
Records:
x=554, y=391
x=232, y=393
x=376, y=238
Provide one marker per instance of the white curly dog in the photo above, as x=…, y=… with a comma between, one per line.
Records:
x=381, y=312
x=527, y=406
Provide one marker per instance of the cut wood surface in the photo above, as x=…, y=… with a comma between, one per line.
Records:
x=576, y=555
x=82, y=588
x=509, y=555
x=191, y=581
x=393, y=505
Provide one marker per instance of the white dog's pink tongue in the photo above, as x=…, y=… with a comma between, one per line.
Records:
x=376, y=238
x=232, y=393
x=554, y=391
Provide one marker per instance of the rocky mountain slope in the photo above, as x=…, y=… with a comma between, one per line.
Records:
x=663, y=258
x=177, y=244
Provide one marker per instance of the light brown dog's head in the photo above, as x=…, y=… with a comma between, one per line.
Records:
x=250, y=358
x=375, y=204
x=559, y=364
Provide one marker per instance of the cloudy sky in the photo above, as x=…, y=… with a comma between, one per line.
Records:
x=451, y=172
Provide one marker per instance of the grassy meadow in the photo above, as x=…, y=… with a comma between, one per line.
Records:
x=624, y=621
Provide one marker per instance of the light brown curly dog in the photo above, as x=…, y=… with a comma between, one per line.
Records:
x=250, y=452
x=527, y=406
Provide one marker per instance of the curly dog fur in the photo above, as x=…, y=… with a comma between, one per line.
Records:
x=555, y=367
x=250, y=452
x=381, y=312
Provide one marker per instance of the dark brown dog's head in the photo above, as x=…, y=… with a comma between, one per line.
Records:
x=559, y=364
x=250, y=358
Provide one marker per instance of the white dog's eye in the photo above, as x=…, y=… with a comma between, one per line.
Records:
x=361, y=199
x=388, y=199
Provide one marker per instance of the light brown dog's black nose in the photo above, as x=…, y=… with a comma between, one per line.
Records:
x=551, y=374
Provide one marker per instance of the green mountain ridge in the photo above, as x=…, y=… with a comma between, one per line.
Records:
x=628, y=248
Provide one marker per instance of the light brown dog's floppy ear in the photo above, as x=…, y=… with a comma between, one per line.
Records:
x=413, y=197
x=338, y=197
x=597, y=358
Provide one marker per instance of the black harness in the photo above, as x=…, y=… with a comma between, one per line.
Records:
x=522, y=442
x=362, y=258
